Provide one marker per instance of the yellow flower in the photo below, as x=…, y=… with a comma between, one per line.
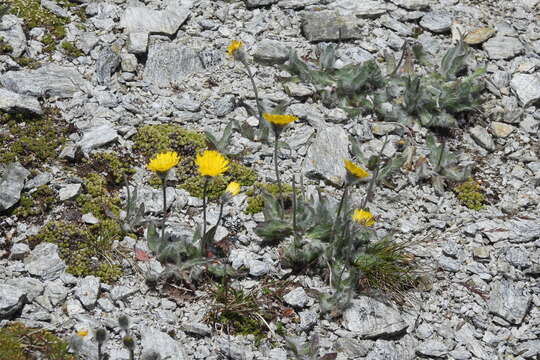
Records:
x=363, y=217
x=163, y=162
x=211, y=163
x=233, y=188
x=233, y=47
x=82, y=333
x=280, y=120
x=355, y=170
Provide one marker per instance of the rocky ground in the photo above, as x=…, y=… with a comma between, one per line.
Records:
x=121, y=65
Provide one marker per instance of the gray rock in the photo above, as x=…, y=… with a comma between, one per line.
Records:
x=437, y=21
x=87, y=291
x=87, y=41
x=529, y=349
x=500, y=129
x=535, y=168
x=106, y=64
x=12, y=183
x=96, y=137
x=122, y=292
x=31, y=287
x=18, y=251
x=258, y=268
x=364, y=9
x=48, y=80
x=482, y=137
x=56, y=292
x=296, y=4
x=371, y=319
x=296, y=298
x=432, y=348
x=465, y=335
x=170, y=63
x=250, y=4
x=38, y=180
x=137, y=43
x=527, y=88
x=329, y=26
x=412, y=4
x=197, y=329
x=129, y=62
x=69, y=191
x=449, y=264
x=13, y=102
x=324, y=159
x=518, y=257
x=397, y=26
x=162, y=343
x=352, y=347
x=144, y=20
x=55, y=8
x=224, y=105
x=89, y=218
x=12, y=299
x=271, y=52
x=503, y=47
x=308, y=319
x=45, y=262
x=12, y=32
x=509, y=301
x=481, y=253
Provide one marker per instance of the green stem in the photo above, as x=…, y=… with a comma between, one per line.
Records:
x=369, y=192
x=164, y=189
x=203, y=242
x=252, y=79
x=280, y=189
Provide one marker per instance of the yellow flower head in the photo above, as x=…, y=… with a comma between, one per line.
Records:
x=82, y=333
x=163, y=162
x=211, y=163
x=233, y=47
x=233, y=188
x=355, y=170
x=280, y=120
x=363, y=217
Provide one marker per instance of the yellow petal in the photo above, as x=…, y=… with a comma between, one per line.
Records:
x=211, y=163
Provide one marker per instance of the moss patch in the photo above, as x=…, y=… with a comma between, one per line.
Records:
x=153, y=139
x=85, y=249
x=37, y=203
x=33, y=140
x=17, y=342
x=70, y=49
x=5, y=48
x=194, y=183
x=469, y=194
x=255, y=201
x=34, y=15
x=114, y=167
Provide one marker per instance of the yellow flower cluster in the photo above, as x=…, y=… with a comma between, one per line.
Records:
x=363, y=217
x=355, y=170
x=233, y=188
x=233, y=47
x=211, y=163
x=280, y=120
x=163, y=162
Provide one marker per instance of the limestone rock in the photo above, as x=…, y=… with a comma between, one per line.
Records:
x=509, y=301
x=12, y=299
x=12, y=183
x=329, y=26
x=527, y=88
x=144, y=20
x=45, y=262
x=13, y=102
x=503, y=47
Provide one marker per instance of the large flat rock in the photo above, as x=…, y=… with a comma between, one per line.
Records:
x=144, y=20
x=48, y=80
x=330, y=26
x=170, y=63
x=13, y=102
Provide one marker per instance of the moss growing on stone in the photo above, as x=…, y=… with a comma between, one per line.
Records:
x=153, y=139
x=193, y=183
x=31, y=139
x=34, y=15
x=85, y=249
x=5, y=48
x=113, y=166
x=36, y=203
x=255, y=202
x=18, y=342
x=70, y=49
x=27, y=62
x=97, y=199
x=470, y=194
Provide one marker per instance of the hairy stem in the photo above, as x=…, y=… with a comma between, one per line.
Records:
x=277, y=172
x=252, y=79
x=203, y=241
x=164, y=189
x=369, y=192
